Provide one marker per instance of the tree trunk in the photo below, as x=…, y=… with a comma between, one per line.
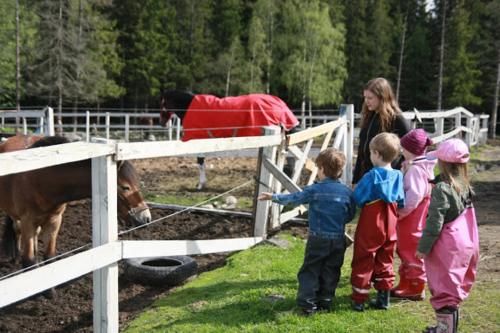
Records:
x=441, y=57
x=18, y=61
x=400, y=68
x=494, y=111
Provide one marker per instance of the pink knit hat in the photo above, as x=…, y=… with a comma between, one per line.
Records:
x=452, y=151
x=416, y=141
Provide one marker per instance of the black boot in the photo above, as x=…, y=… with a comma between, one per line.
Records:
x=382, y=300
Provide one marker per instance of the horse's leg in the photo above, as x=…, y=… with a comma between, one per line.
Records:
x=203, y=177
x=28, y=235
x=50, y=231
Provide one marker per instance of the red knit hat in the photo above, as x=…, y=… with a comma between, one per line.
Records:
x=416, y=141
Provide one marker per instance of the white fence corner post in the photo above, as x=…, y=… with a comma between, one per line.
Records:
x=347, y=111
x=105, y=230
x=264, y=177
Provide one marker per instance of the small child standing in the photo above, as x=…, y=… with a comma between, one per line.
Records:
x=450, y=243
x=379, y=193
x=331, y=206
x=417, y=170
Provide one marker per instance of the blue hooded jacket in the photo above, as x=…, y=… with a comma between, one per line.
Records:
x=380, y=183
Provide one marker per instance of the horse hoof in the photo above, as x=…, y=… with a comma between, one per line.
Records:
x=200, y=186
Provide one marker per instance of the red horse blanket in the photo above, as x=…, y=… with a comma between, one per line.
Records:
x=211, y=117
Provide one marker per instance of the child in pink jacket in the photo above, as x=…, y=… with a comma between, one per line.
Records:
x=417, y=171
x=450, y=243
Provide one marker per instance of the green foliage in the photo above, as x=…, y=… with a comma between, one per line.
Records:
x=462, y=76
x=320, y=52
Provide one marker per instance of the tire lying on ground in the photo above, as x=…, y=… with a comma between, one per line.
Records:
x=160, y=271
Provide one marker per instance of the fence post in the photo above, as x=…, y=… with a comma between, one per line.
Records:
x=107, y=125
x=261, y=208
x=468, y=135
x=105, y=230
x=127, y=127
x=87, y=125
x=347, y=111
x=49, y=115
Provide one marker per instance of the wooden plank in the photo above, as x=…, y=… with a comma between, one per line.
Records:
x=50, y=275
x=287, y=183
x=23, y=114
x=313, y=132
x=287, y=216
x=136, y=150
x=105, y=230
x=261, y=207
x=138, y=249
x=30, y=159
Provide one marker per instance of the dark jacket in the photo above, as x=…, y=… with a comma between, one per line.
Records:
x=400, y=127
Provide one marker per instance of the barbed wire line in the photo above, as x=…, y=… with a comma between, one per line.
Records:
x=88, y=245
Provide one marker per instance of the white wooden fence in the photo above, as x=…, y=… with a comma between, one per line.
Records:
x=107, y=250
x=37, y=120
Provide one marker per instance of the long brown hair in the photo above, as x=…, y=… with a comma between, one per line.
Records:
x=456, y=174
x=388, y=107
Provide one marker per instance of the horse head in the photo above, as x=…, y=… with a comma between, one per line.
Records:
x=174, y=102
x=131, y=205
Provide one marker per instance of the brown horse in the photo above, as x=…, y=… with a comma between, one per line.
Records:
x=18, y=142
x=37, y=199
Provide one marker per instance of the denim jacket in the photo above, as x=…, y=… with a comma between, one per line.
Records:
x=331, y=206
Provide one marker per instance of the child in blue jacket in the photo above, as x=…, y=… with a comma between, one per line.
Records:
x=379, y=193
x=331, y=206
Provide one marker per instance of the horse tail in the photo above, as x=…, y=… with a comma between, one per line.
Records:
x=10, y=238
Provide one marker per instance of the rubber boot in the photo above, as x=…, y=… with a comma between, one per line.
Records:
x=415, y=291
x=402, y=285
x=382, y=300
x=447, y=321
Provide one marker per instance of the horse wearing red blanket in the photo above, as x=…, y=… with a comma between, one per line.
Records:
x=208, y=116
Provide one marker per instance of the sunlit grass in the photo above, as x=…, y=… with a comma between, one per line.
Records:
x=255, y=292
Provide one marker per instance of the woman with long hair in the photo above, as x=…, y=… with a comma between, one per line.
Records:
x=380, y=113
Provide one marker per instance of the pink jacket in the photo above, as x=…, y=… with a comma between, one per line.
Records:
x=417, y=174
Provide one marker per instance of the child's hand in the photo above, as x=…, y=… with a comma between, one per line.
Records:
x=265, y=196
x=420, y=255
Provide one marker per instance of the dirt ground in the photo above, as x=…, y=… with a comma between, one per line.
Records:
x=71, y=310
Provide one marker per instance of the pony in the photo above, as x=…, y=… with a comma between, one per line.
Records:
x=208, y=116
x=35, y=200
x=18, y=142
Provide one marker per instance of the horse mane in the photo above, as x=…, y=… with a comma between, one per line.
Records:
x=126, y=169
x=177, y=99
x=49, y=141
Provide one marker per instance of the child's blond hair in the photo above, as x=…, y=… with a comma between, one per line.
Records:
x=332, y=161
x=387, y=145
x=456, y=174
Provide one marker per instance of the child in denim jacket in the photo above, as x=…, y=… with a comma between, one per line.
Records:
x=331, y=206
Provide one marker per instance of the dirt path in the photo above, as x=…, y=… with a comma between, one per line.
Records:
x=486, y=182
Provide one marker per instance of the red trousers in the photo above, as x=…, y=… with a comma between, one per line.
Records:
x=374, y=242
x=409, y=231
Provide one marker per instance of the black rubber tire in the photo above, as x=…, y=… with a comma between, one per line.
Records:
x=160, y=271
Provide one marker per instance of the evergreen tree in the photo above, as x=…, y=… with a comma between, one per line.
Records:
x=461, y=75
x=193, y=49
x=27, y=27
x=147, y=36
x=313, y=63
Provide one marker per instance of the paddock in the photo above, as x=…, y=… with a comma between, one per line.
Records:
x=150, y=151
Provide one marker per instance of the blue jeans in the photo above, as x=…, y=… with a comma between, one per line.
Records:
x=320, y=273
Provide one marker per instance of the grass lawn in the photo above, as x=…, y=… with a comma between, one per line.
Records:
x=255, y=292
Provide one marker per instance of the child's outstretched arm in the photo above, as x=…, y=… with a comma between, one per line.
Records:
x=265, y=196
